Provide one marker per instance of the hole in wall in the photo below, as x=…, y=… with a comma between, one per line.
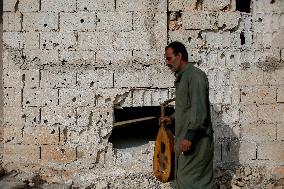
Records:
x=243, y=39
x=272, y=1
x=243, y=6
x=135, y=127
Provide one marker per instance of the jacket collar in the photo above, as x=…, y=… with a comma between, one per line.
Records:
x=179, y=73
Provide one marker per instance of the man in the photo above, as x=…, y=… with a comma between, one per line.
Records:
x=193, y=128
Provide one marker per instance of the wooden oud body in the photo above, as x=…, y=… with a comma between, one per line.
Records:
x=164, y=157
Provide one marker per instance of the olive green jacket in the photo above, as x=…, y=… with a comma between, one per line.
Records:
x=194, y=169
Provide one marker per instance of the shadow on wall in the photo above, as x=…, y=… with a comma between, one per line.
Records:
x=226, y=152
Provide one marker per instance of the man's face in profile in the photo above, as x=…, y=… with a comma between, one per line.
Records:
x=172, y=60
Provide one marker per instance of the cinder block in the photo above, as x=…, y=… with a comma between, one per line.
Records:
x=278, y=172
x=158, y=97
x=230, y=150
x=228, y=20
x=100, y=78
x=272, y=113
x=258, y=132
x=58, y=6
x=9, y=5
x=40, y=135
x=40, y=21
x=41, y=57
x=12, y=21
x=12, y=97
x=55, y=78
x=57, y=40
x=12, y=134
x=76, y=97
x=216, y=5
x=134, y=78
x=249, y=77
x=78, y=57
x=247, y=151
x=149, y=56
x=30, y=78
x=280, y=131
x=263, y=40
x=190, y=38
x=133, y=41
x=99, y=117
x=18, y=40
x=114, y=21
x=184, y=5
x=141, y=5
x=96, y=41
x=12, y=78
x=280, y=94
x=106, y=5
x=258, y=95
x=114, y=56
x=29, y=5
x=230, y=114
x=197, y=20
x=248, y=114
x=21, y=153
x=20, y=117
x=161, y=77
x=274, y=78
x=58, y=115
x=81, y=21
x=40, y=97
x=58, y=154
x=271, y=151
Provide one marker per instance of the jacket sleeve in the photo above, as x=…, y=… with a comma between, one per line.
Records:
x=197, y=112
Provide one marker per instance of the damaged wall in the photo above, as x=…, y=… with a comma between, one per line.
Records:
x=67, y=64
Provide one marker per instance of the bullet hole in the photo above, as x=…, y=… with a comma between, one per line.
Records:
x=45, y=121
x=244, y=94
x=24, y=116
x=45, y=104
x=52, y=132
x=35, y=119
x=222, y=55
x=92, y=84
x=74, y=99
x=44, y=45
x=147, y=54
x=242, y=37
x=62, y=151
x=189, y=39
x=199, y=35
x=232, y=56
x=82, y=20
x=33, y=78
x=69, y=116
x=24, y=57
x=7, y=94
x=243, y=6
x=272, y=1
x=107, y=113
x=44, y=25
x=259, y=20
x=85, y=8
x=55, y=44
x=27, y=102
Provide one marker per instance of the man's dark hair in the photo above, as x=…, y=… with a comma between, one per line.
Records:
x=178, y=47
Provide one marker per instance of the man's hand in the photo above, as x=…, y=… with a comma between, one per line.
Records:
x=166, y=120
x=185, y=145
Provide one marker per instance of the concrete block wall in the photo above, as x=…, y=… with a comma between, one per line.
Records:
x=67, y=64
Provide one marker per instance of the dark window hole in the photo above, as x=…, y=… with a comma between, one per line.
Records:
x=136, y=126
x=243, y=5
x=243, y=39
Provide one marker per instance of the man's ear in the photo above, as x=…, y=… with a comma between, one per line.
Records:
x=179, y=56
